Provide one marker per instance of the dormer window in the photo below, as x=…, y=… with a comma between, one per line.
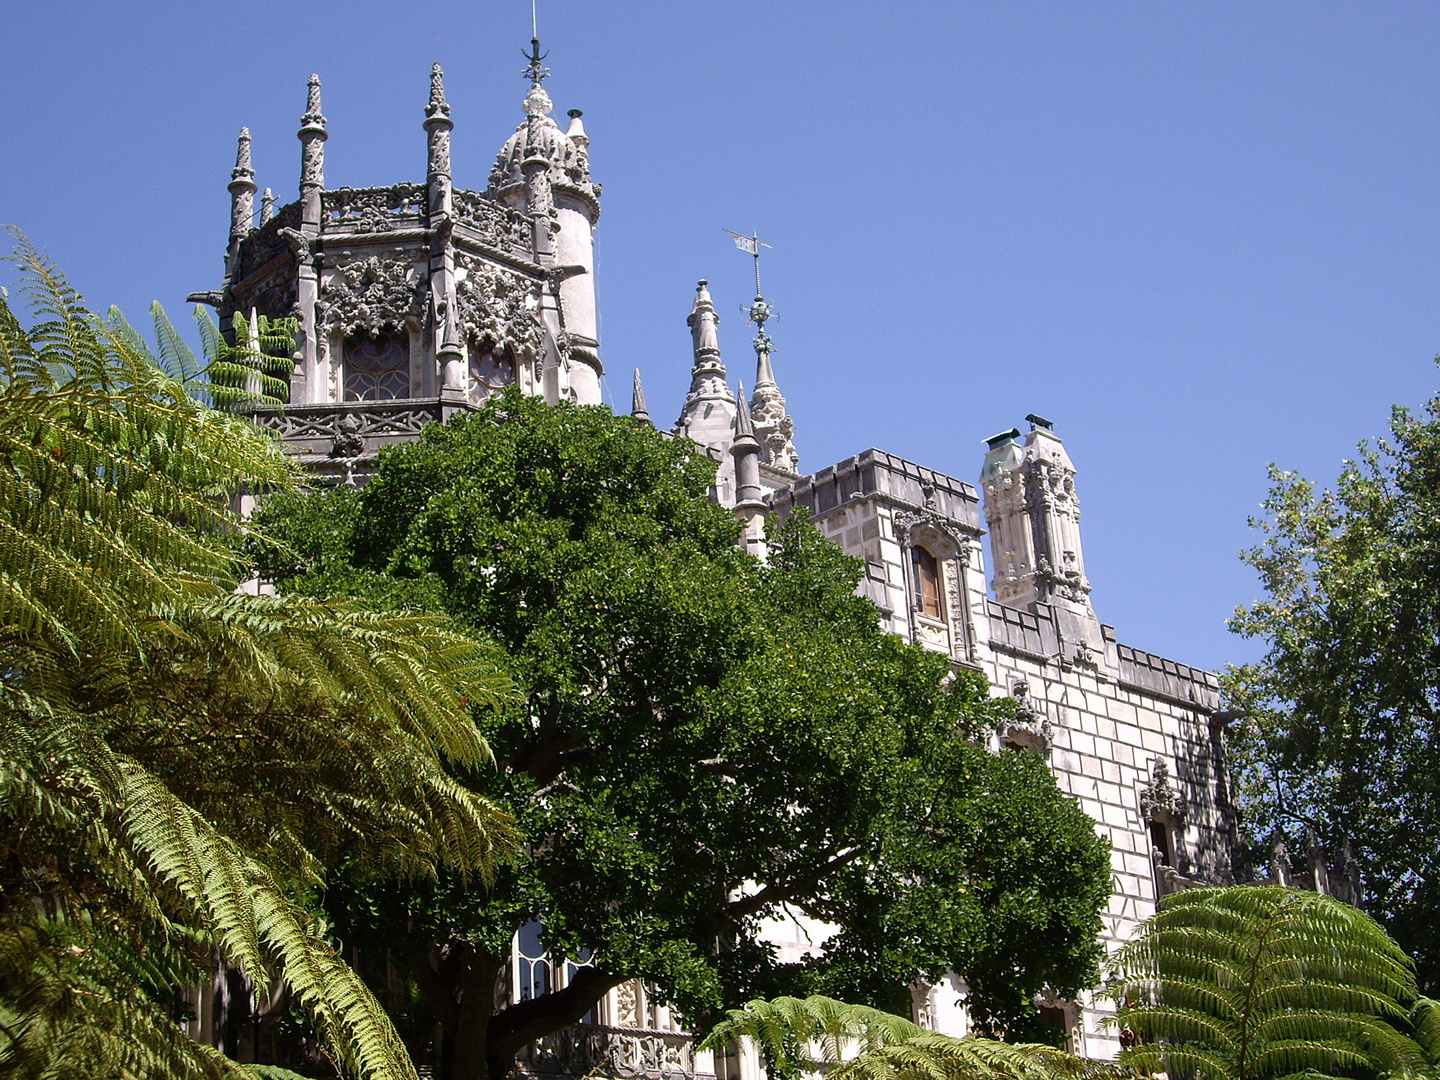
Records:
x=927, y=583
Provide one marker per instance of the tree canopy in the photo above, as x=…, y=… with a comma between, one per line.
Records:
x=704, y=743
x=1340, y=727
x=182, y=765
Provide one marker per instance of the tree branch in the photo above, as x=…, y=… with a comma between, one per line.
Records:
x=774, y=894
x=527, y=1021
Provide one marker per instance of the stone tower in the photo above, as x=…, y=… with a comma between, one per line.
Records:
x=1034, y=518
x=415, y=301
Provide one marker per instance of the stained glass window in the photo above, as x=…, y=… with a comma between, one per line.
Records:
x=377, y=369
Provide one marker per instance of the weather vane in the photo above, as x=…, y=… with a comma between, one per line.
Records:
x=534, y=72
x=760, y=310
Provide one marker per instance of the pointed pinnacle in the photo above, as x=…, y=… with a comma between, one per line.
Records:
x=313, y=116
x=438, y=106
x=267, y=206
x=637, y=401
x=242, y=170
x=744, y=426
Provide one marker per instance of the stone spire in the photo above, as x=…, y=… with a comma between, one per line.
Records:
x=438, y=127
x=312, y=135
x=242, y=190
x=267, y=206
x=709, y=413
x=773, y=425
x=637, y=401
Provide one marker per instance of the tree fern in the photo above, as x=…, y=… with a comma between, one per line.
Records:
x=797, y=1036
x=1250, y=983
x=180, y=764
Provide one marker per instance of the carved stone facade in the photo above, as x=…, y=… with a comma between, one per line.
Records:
x=449, y=294
x=425, y=273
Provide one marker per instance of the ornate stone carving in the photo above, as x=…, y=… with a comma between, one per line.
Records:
x=1159, y=800
x=499, y=226
x=370, y=294
x=348, y=442
x=369, y=210
x=594, y=1049
x=1029, y=728
x=493, y=309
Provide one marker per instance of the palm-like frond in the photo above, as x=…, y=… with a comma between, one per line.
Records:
x=178, y=762
x=796, y=1036
x=1245, y=983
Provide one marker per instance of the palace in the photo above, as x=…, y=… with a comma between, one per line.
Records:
x=419, y=300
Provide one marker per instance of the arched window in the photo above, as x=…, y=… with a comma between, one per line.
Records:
x=491, y=369
x=927, y=583
x=377, y=368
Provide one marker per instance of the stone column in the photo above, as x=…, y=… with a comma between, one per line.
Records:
x=242, y=203
x=449, y=351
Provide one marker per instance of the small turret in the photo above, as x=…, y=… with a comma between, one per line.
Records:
x=774, y=427
x=637, y=401
x=1034, y=518
x=708, y=416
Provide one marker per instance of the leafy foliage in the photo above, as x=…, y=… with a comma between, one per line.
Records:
x=1250, y=983
x=181, y=764
x=819, y=1035
x=705, y=743
x=1341, y=718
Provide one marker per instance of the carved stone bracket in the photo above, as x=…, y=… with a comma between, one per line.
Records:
x=1029, y=728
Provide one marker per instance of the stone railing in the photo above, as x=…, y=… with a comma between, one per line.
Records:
x=499, y=226
x=378, y=209
x=339, y=439
x=595, y=1049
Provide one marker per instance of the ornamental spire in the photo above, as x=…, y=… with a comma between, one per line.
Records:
x=773, y=425
x=637, y=401
x=242, y=190
x=312, y=135
x=709, y=407
x=438, y=105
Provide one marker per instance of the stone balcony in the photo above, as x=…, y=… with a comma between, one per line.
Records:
x=337, y=441
x=603, y=1051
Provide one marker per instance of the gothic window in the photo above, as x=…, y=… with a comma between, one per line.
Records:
x=377, y=368
x=491, y=369
x=927, y=583
x=532, y=965
x=1162, y=841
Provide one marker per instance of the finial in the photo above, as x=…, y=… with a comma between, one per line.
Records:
x=313, y=116
x=438, y=106
x=267, y=206
x=637, y=400
x=242, y=170
x=534, y=71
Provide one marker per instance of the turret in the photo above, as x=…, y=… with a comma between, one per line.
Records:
x=242, y=199
x=749, y=501
x=637, y=401
x=708, y=416
x=1034, y=518
x=545, y=172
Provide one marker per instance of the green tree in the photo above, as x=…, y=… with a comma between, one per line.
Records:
x=705, y=742
x=1254, y=983
x=1340, y=727
x=181, y=765
x=819, y=1035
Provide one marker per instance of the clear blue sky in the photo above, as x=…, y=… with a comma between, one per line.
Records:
x=1199, y=237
